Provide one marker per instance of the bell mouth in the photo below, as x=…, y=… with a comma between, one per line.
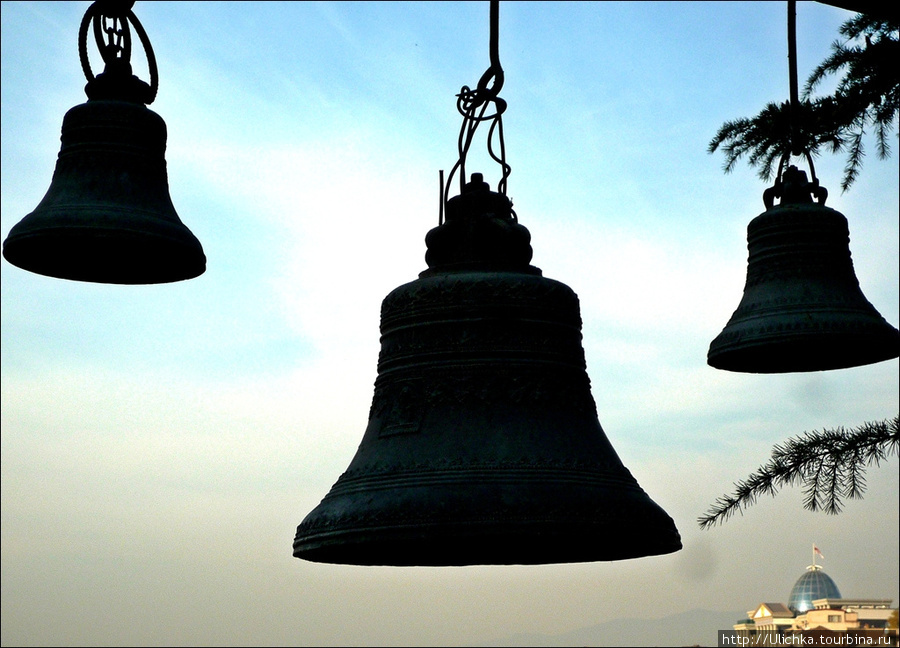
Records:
x=111, y=256
x=521, y=544
x=104, y=243
x=827, y=350
x=496, y=513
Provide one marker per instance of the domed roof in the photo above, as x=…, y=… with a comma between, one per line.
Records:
x=812, y=585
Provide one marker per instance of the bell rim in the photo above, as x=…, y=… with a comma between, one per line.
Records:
x=497, y=513
x=525, y=542
x=106, y=255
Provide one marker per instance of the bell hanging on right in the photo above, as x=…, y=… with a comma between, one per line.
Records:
x=802, y=308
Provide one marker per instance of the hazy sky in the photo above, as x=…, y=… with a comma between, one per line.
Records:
x=160, y=444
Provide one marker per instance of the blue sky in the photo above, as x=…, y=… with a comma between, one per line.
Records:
x=161, y=443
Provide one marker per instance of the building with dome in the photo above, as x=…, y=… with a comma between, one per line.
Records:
x=817, y=614
x=814, y=584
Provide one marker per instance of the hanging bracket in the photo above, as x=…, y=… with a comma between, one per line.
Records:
x=112, y=33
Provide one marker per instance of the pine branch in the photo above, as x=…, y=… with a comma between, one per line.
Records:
x=830, y=465
x=854, y=160
x=867, y=95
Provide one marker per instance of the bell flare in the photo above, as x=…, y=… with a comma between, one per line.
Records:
x=483, y=444
x=522, y=538
x=525, y=517
x=108, y=216
x=802, y=309
x=782, y=352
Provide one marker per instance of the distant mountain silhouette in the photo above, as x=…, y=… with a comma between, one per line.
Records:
x=693, y=628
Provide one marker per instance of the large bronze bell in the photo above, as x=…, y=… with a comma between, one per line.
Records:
x=483, y=444
x=802, y=307
x=107, y=216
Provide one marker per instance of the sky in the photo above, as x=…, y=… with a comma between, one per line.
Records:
x=160, y=444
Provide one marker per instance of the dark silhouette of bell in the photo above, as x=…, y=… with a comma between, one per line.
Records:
x=483, y=444
x=802, y=307
x=107, y=216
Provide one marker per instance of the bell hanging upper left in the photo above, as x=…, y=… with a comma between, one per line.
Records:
x=107, y=216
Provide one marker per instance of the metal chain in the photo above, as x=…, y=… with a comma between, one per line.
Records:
x=473, y=106
x=792, y=70
x=794, y=148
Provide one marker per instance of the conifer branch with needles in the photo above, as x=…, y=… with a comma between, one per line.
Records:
x=865, y=103
x=830, y=465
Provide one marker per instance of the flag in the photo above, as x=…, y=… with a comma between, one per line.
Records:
x=817, y=552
